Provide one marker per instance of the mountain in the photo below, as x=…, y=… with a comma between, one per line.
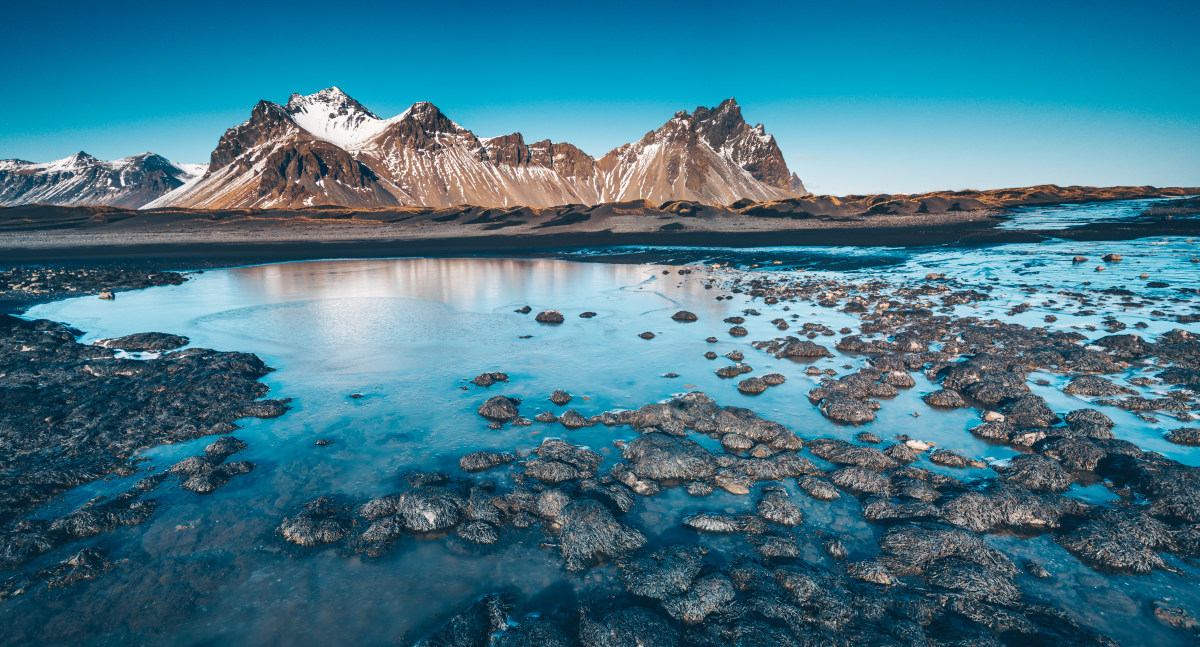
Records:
x=84, y=180
x=328, y=149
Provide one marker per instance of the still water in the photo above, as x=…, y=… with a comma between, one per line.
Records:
x=409, y=333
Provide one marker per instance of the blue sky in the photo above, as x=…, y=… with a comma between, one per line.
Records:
x=862, y=97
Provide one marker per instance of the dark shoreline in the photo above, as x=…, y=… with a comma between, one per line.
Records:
x=218, y=253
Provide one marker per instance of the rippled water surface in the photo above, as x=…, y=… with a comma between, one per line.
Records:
x=408, y=333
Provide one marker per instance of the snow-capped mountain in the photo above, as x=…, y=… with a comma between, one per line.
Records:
x=326, y=148
x=82, y=179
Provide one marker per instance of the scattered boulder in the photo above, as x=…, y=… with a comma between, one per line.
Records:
x=500, y=409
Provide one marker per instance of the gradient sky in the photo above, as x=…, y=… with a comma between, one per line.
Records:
x=862, y=97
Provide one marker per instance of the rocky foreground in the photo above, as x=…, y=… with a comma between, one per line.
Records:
x=933, y=579
x=73, y=413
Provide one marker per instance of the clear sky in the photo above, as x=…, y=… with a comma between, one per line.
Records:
x=861, y=96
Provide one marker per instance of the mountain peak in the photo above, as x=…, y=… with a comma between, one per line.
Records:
x=334, y=116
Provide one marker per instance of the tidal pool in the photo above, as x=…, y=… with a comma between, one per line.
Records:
x=408, y=334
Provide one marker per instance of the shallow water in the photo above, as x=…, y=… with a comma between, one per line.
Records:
x=408, y=333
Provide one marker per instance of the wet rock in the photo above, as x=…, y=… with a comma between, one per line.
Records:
x=736, y=443
x=319, y=522
x=684, y=315
x=1119, y=541
x=1037, y=570
x=840, y=452
x=429, y=509
x=549, y=317
x=499, y=409
x=752, y=386
x=146, y=341
x=733, y=482
x=560, y=398
x=103, y=409
x=699, y=488
x=774, y=506
x=738, y=331
x=1184, y=436
x=474, y=626
x=1074, y=454
x=1111, y=258
x=1126, y=347
x=479, y=461
x=899, y=379
x=834, y=548
x=1089, y=417
x=945, y=399
x=1095, y=385
x=659, y=456
x=666, y=572
x=733, y=370
x=891, y=510
x=712, y=524
x=587, y=315
x=870, y=571
x=948, y=458
x=900, y=453
x=973, y=581
x=1174, y=616
x=861, y=482
x=793, y=347
x=488, y=379
x=589, y=531
x=914, y=547
x=572, y=419
x=709, y=594
x=524, y=310
x=735, y=355
x=774, y=379
x=208, y=481
x=224, y=446
x=867, y=437
x=710, y=355
x=478, y=532
x=646, y=335
x=773, y=468
x=87, y=564
x=539, y=631
x=631, y=627
x=1037, y=473
x=1030, y=411
x=846, y=410
x=546, y=417
x=818, y=488
x=996, y=506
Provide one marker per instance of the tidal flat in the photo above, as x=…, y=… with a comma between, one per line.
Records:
x=780, y=445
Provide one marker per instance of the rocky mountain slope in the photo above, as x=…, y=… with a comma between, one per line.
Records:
x=84, y=180
x=326, y=148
